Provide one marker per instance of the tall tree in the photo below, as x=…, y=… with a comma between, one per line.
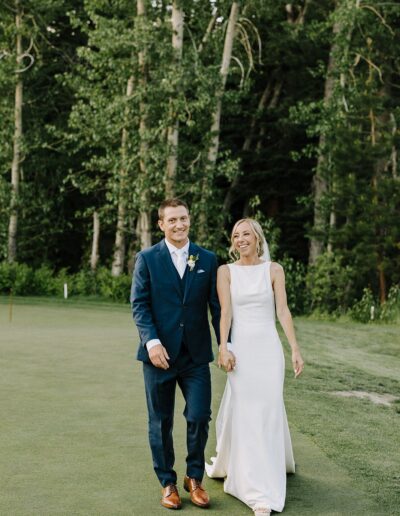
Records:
x=212, y=152
x=17, y=141
x=177, y=16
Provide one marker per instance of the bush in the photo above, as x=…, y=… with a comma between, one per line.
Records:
x=16, y=277
x=24, y=281
x=365, y=309
x=329, y=285
x=44, y=282
x=116, y=288
x=390, y=311
x=295, y=280
x=368, y=309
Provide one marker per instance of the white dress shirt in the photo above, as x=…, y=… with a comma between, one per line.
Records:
x=174, y=251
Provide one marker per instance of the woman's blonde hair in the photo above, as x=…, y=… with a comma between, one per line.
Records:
x=258, y=233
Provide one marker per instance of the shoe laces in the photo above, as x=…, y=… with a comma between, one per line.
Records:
x=172, y=489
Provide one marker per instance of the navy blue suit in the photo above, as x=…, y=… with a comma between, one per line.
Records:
x=175, y=311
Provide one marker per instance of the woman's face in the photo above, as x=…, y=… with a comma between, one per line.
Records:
x=244, y=240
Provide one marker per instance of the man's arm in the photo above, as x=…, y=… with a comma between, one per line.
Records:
x=141, y=301
x=213, y=302
x=141, y=308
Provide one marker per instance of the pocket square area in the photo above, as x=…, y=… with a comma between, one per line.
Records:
x=200, y=271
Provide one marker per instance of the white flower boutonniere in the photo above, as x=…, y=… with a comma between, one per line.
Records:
x=192, y=261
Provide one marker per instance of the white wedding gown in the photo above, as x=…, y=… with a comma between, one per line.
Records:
x=254, y=450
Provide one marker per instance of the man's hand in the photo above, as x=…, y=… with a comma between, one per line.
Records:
x=159, y=356
x=227, y=360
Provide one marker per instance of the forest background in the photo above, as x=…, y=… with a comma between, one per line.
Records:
x=288, y=112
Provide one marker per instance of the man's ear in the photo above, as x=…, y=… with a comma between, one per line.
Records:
x=161, y=225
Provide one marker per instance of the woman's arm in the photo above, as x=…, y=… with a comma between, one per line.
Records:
x=226, y=358
x=284, y=315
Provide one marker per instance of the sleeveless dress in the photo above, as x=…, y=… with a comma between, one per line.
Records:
x=254, y=449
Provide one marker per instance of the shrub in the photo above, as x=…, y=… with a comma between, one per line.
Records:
x=366, y=309
x=24, y=281
x=329, y=285
x=44, y=282
x=17, y=277
x=116, y=288
x=295, y=280
x=390, y=311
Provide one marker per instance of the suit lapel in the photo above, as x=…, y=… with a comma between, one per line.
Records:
x=193, y=250
x=169, y=266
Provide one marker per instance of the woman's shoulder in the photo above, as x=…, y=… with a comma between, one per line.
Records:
x=224, y=270
x=276, y=268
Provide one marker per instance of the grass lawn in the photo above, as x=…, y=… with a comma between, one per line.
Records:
x=74, y=424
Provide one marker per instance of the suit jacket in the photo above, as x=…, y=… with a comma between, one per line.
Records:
x=175, y=310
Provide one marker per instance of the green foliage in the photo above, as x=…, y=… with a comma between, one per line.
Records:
x=295, y=281
x=329, y=285
x=22, y=280
x=368, y=309
x=390, y=310
x=365, y=310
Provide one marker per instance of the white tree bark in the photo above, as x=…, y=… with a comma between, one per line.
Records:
x=94, y=256
x=173, y=130
x=119, y=245
x=320, y=182
x=17, y=143
x=212, y=153
x=143, y=227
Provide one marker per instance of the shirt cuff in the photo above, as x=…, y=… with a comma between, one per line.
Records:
x=151, y=343
x=229, y=346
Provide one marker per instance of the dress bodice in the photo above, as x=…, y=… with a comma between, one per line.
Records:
x=252, y=296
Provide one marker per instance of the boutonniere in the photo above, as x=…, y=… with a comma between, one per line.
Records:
x=192, y=261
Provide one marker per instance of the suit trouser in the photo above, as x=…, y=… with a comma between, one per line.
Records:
x=195, y=383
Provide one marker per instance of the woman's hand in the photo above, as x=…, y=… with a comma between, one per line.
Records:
x=227, y=360
x=298, y=363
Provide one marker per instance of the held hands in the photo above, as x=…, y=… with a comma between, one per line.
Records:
x=298, y=363
x=159, y=356
x=227, y=360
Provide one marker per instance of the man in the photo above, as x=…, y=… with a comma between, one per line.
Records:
x=174, y=282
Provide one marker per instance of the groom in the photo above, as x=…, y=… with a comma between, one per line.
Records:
x=174, y=282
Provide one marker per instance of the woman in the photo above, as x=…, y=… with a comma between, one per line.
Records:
x=254, y=450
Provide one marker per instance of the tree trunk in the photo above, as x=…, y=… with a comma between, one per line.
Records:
x=94, y=257
x=143, y=228
x=208, y=31
x=320, y=180
x=17, y=144
x=216, y=120
x=320, y=183
x=119, y=246
x=173, y=129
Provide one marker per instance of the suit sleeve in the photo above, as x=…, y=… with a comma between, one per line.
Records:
x=141, y=301
x=213, y=301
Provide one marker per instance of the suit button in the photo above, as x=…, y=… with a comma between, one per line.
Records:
x=181, y=325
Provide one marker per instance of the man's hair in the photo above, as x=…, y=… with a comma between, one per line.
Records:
x=170, y=203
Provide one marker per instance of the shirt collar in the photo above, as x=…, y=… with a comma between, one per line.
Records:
x=173, y=249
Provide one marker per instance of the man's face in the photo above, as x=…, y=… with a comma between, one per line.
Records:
x=175, y=225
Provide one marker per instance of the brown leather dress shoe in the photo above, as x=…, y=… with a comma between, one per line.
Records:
x=170, y=497
x=198, y=495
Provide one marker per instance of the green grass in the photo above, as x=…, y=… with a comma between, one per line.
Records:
x=73, y=417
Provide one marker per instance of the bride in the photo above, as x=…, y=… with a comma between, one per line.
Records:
x=254, y=450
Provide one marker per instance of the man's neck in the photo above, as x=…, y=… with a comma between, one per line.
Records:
x=178, y=245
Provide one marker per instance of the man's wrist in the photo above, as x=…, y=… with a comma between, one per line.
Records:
x=151, y=343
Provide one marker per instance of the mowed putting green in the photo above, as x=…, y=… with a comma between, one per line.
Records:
x=74, y=423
